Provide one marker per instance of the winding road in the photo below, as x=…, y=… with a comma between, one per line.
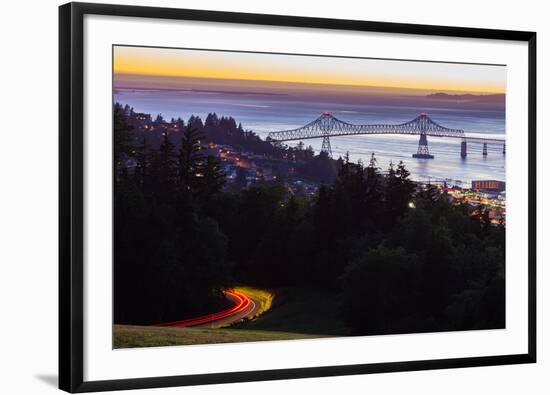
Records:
x=245, y=306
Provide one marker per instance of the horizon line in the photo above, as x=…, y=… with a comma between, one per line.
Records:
x=481, y=92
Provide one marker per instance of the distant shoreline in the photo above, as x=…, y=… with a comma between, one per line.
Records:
x=123, y=88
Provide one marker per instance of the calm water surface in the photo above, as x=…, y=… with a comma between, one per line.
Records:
x=265, y=113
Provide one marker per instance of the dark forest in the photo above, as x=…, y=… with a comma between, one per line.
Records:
x=401, y=257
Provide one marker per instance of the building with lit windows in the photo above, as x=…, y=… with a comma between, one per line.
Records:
x=489, y=185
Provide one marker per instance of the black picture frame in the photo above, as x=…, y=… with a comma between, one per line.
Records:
x=71, y=195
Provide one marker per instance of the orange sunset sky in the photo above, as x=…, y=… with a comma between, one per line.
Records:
x=149, y=63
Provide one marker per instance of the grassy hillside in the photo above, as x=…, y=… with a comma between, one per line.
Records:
x=285, y=314
x=302, y=310
x=126, y=336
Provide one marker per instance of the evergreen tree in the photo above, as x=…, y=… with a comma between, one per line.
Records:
x=343, y=170
x=212, y=177
x=195, y=123
x=189, y=159
x=212, y=130
x=374, y=192
x=407, y=186
x=123, y=137
x=143, y=162
x=166, y=165
x=398, y=193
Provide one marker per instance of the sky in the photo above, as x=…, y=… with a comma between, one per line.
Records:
x=155, y=66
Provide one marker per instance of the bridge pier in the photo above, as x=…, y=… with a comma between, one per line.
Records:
x=484, y=148
x=463, y=149
x=423, y=151
x=325, y=147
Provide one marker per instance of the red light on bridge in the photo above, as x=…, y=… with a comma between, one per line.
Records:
x=326, y=114
x=423, y=114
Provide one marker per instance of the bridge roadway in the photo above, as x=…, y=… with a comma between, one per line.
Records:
x=327, y=126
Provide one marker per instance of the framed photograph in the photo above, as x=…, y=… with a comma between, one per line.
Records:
x=253, y=197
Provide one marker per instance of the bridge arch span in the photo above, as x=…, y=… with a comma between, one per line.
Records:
x=327, y=125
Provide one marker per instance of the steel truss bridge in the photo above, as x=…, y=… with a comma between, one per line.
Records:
x=327, y=126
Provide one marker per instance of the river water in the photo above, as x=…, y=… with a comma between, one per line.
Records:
x=265, y=113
